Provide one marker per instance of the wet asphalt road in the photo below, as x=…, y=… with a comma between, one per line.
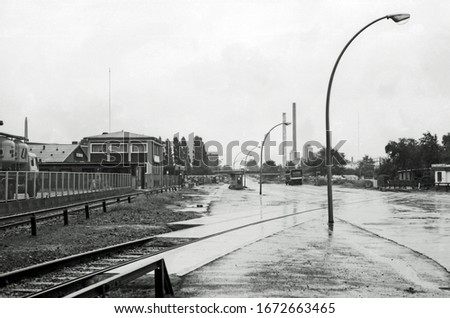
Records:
x=419, y=220
x=383, y=244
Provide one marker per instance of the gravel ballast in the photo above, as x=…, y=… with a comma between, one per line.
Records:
x=145, y=216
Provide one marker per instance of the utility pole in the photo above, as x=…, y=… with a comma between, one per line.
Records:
x=294, y=133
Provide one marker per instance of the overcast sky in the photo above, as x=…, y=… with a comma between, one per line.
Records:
x=225, y=70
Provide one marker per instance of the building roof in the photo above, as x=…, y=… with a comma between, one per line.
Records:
x=52, y=152
x=441, y=167
x=121, y=135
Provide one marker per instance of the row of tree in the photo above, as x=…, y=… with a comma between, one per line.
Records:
x=409, y=153
x=177, y=154
x=406, y=153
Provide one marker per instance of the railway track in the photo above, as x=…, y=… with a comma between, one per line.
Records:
x=61, y=277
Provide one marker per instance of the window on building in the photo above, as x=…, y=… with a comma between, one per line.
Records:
x=139, y=147
x=439, y=176
x=156, y=149
x=98, y=148
x=118, y=147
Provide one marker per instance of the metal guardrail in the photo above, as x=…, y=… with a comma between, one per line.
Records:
x=86, y=206
x=163, y=286
x=19, y=185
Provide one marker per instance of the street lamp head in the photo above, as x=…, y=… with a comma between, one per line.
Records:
x=287, y=124
x=399, y=18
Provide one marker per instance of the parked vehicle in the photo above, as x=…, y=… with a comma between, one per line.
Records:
x=294, y=177
x=18, y=168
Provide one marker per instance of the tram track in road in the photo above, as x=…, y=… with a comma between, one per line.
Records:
x=412, y=264
x=60, y=277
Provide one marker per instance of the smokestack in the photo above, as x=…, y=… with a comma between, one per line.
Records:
x=26, y=129
x=294, y=132
x=284, y=140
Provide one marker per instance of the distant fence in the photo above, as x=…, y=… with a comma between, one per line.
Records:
x=157, y=181
x=18, y=185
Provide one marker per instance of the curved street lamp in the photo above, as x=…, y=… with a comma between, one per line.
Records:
x=241, y=152
x=234, y=161
x=262, y=147
x=246, y=156
x=246, y=164
x=397, y=18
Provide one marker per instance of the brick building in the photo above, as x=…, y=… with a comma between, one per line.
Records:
x=141, y=155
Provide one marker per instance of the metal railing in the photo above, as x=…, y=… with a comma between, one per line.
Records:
x=32, y=217
x=18, y=185
x=163, y=286
x=159, y=180
x=171, y=180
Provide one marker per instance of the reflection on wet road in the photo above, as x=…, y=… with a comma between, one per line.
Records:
x=419, y=220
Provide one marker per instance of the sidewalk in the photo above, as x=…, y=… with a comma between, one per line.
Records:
x=308, y=260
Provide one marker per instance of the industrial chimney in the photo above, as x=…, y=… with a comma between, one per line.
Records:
x=294, y=133
x=26, y=129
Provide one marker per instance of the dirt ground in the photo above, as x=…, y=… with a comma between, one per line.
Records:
x=145, y=216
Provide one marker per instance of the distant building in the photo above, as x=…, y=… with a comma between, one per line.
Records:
x=419, y=177
x=69, y=158
x=350, y=177
x=441, y=174
x=141, y=154
x=48, y=154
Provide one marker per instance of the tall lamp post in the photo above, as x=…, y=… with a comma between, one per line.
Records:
x=246, y=166
x=249, y=151
x=328, y=160
x=262, y=147
x=235, y=158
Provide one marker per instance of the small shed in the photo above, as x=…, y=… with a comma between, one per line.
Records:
x=237, y=180
x=441, y=174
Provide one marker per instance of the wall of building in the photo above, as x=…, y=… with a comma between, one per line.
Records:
x=441, y=177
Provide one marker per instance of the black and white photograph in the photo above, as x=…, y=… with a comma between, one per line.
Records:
x=225, y=157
